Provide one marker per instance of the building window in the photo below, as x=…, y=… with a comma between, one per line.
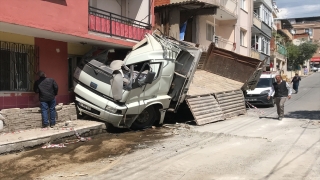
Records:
x=266, y=15
x=210, y=32
x=265, y=45
x=242, y=37
x=18, y=66
x=243, y=4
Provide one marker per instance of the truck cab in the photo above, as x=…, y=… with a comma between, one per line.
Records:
x=137, y=91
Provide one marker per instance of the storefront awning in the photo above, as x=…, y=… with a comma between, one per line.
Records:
x=315, y=59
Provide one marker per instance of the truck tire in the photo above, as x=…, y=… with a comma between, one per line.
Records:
x=145, y=119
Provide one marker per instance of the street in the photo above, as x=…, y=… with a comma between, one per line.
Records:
x=252, y=146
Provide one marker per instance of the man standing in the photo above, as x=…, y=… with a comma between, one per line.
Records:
x=47, y=89
x=295, y=80
x=305, y=71
x=282, y=91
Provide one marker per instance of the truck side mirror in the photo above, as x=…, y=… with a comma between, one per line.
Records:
x=149, y=78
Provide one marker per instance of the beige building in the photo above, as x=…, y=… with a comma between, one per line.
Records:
x=311, y=26
x=225, y=22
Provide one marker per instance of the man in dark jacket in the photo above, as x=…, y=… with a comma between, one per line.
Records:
x=295, y=80
x=47, y=89
x=282, y=90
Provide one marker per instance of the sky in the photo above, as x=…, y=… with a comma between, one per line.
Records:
x=298, y=8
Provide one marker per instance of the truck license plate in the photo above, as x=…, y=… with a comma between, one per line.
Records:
x=251, y=99
x=84, y=106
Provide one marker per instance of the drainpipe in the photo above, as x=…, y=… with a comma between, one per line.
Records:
x=149, y=5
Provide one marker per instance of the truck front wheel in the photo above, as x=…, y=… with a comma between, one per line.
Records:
x=145, y=119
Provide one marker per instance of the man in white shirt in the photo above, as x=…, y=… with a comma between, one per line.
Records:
x=282, y=90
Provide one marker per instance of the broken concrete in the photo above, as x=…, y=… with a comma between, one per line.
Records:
x=16, y=119
x=29, y=138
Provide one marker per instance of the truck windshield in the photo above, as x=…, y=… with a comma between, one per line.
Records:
x=264, y=83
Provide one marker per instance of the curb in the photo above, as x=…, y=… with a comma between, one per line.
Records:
x=35, y=141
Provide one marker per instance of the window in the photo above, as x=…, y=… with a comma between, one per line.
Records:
x=141, y=70
x=242, y=37
x=265, y=45
x=210, y=32
x=18, y=66
x=306, y=30
x=243, y=4
x=266, y=15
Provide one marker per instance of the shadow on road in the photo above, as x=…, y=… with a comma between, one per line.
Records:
x=303, y=114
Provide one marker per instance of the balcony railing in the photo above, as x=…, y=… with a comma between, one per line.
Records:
x=223, y=43
x=255, y=54
x=256, y=20
x=279, y=56
x=115, y=25
x=281, y=49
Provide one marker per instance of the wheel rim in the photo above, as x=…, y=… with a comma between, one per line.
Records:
x=143, y=117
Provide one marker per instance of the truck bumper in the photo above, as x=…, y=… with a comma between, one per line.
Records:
x=99, y=113
x=259, y=100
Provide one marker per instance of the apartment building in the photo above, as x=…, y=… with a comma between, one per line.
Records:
x=225, y=22
x=52, y=35
x=262, y=30
x=308, y=27
x=278, y=51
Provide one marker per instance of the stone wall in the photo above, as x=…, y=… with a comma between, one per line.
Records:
x=16, y=119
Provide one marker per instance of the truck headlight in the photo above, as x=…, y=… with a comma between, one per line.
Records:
x=265, y=92
x=111, y=109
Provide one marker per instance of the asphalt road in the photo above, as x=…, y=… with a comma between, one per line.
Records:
x=254, y=146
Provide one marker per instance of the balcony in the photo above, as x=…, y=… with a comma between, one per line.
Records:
x=223, y=43
x=279, y=56
x=255, y=54
x=108, y=23
x=256, y=20
x=230, y=6
x=287, y=33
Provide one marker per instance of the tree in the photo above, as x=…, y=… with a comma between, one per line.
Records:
x=297, y=55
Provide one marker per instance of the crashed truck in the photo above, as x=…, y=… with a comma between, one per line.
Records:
x=159, y=74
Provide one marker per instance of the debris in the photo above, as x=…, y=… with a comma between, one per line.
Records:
x=74, y=175
x=53, y=146
x=153, y=127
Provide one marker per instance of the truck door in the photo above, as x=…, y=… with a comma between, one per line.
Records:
x=185, y=67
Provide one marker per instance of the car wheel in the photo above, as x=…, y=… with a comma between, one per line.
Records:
x=145, y=119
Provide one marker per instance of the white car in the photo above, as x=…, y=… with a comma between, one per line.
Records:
x=314, y=69
x=259, y=95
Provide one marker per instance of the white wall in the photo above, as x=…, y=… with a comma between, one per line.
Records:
x=134, y=9
x=244, y=22
x=138, y=10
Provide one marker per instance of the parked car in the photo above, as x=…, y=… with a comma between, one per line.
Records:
x=314, y=69
x=259, y=95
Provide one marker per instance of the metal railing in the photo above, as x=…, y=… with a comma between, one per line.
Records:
x=223, y=43
x=116, y=25
x=19, y=64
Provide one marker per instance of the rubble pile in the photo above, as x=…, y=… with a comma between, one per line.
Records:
x=15, y=119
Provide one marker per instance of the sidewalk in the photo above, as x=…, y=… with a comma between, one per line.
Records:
x=28, y=138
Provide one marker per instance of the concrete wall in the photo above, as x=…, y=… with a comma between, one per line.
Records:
x=16, y=38
x=161, y=2
x=78, y=49
x=138, y=10
x=55, y=64
x=244, y=23
x=68, y=16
